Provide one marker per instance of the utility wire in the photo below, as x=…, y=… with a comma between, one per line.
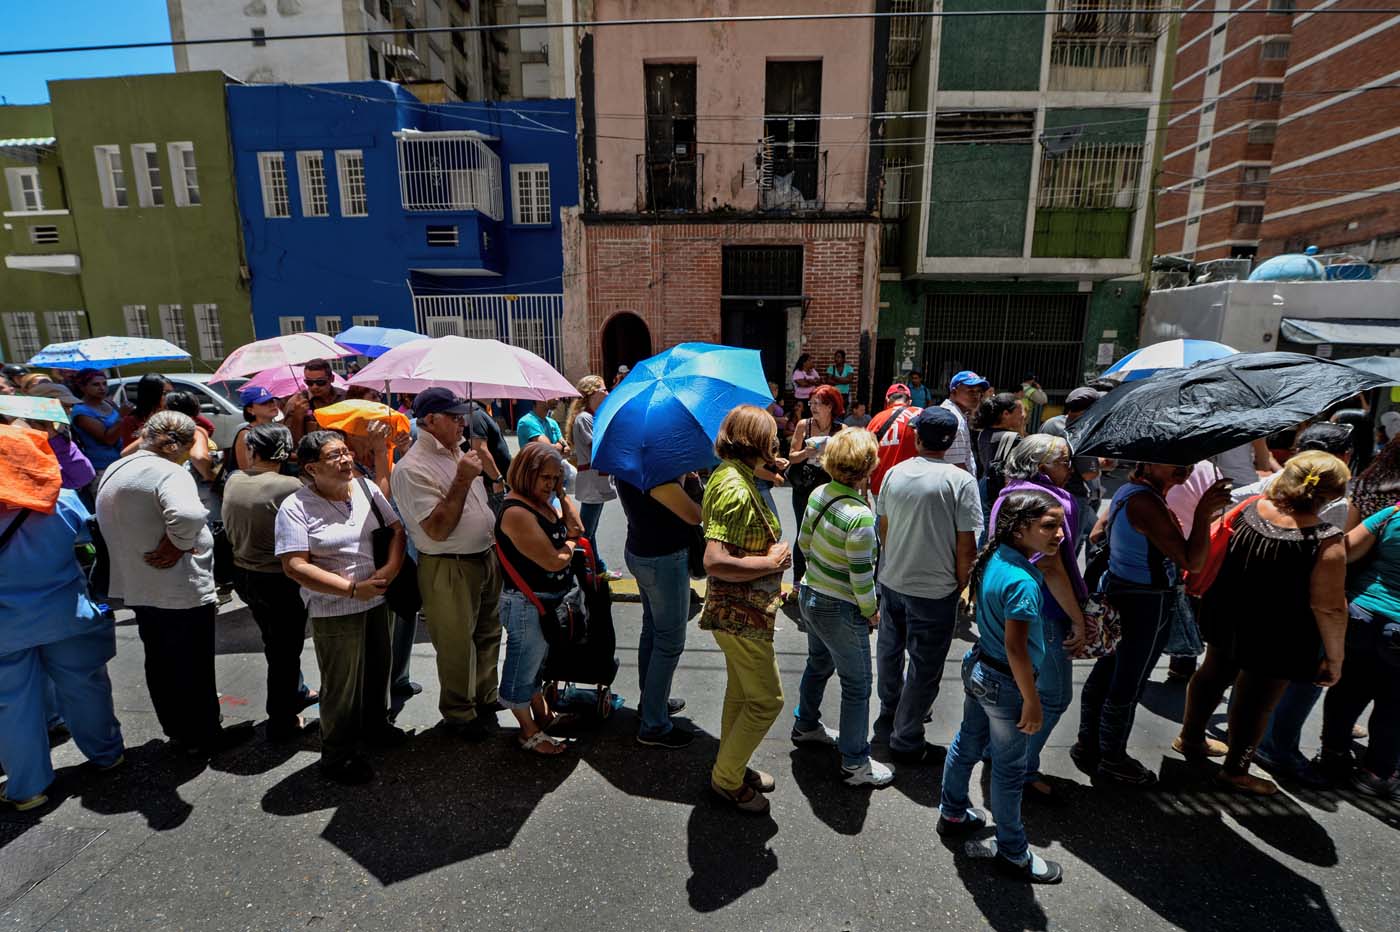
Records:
x=672, y=21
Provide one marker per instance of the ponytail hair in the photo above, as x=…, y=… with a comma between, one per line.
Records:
x=1018, y=510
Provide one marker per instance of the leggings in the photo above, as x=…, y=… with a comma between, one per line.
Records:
x=1251, y=704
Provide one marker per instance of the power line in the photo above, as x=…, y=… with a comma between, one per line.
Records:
x=642, y=21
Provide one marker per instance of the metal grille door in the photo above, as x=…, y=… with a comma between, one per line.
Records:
x=1006, y=337
x=531, y=321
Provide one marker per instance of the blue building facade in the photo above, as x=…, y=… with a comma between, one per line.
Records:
x=361, y=204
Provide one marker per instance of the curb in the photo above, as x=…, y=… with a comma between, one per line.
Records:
x=625, y=590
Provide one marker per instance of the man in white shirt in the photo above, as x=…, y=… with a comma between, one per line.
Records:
x=448, y=517
x=964, y=395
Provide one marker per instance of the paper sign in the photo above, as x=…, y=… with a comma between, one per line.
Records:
x=1105, y=354
x=33, y=409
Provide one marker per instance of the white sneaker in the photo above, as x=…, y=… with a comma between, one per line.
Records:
x=821, y=735
x=870, y=773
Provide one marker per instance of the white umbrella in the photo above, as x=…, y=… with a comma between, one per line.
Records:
x=471, y=368
x=290, y=349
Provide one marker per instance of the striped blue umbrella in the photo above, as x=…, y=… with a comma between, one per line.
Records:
x=106, y=353
x=1171, y=354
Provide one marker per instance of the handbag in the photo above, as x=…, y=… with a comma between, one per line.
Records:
x=1103, y=629
x=1198, y=582
x=563, y=622
x=403, y=594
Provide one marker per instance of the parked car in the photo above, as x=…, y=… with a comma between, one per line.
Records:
x=218, y=401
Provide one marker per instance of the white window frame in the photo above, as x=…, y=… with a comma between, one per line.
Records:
x=329, y=324
x=286, y=325
x=534, y=35
x=22, y=335
x=150, y=192
x=173, y=326
x=533, y=213
x=111, y=176
x=210, y=331
x=276, y=198
x=63, y=326
x=184, y=174
x=311, y=178
x=19, y=193
x=137, y=323
x=365, y=320
x=345, y=161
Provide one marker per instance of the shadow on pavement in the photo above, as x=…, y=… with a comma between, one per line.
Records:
x=1007, y=906
x=728, y=853
x=817, y=772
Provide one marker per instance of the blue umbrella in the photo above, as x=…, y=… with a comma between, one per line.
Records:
x=661, y=421
x=106, y=353
x=1172, y=354
x=375, y=341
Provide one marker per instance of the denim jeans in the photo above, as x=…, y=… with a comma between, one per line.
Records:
x=1114, y=686
x=838, y=641
x=991, y=709
x=1366, y=677
x=922, y=628
x=590, y=513
x=1055, y=685
x=526, y=648
x=1088, y=516
x=664, y=583
x=1280, y=744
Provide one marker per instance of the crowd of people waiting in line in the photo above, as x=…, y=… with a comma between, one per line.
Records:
x=1304, y=597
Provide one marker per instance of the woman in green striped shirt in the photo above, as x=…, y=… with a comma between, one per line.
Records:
x=839, y=609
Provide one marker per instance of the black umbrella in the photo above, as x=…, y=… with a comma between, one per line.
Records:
x=1183, y=416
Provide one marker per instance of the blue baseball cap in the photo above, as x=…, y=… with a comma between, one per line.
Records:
x=968, y=377
x=936, y=428
x=255, y=395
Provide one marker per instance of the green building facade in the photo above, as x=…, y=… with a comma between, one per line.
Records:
x=137, y=182
x=1018, y=213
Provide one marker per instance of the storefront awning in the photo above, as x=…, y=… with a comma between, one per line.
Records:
x=1355, y=332
x=27, y=149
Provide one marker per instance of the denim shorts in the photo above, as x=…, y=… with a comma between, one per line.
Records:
x=526, y=648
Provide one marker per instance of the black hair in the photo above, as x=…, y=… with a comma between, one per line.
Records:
x=272, y=442
x=840, y=352
x=1329, y=438
x=309, y=450
x=1079, y=404
x=318, y=365
x=1018, y=510
x=805, y=357
x=149, y=393
x=914, y=372
x=184, y=402
x=991, y=409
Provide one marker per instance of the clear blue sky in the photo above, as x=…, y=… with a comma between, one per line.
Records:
x=51, y=23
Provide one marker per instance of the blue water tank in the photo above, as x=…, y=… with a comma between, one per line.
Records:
x=1293, y=267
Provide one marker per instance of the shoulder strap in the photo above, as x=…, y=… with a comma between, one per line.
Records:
x=516, y=578
x=364, y=487
x=14, y=526
x=829, y=502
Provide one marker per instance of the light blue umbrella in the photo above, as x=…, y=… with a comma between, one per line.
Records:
x=1171, y=354
x=661, y=421
x=375, y=341
x=106, y=353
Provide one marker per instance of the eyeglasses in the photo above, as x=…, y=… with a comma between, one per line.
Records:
x=337, y=455
x=317, y=383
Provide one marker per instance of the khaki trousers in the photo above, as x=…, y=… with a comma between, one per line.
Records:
x=460, y=599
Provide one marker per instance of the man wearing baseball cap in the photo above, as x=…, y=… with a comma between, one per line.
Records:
x=449, y=518
x=928, y=514
x=891, y=430
x=964, y=395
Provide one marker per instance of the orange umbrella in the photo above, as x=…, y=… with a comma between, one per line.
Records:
x=29, y=475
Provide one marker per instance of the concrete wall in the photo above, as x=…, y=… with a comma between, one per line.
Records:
x=730, y=80
x=991, y=53
x=304, y=60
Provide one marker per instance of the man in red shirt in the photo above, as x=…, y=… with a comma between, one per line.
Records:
x=891, y=429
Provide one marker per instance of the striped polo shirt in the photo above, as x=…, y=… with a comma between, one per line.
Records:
x=841, y=551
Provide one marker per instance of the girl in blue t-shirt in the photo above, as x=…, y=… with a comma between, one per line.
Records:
x=1001, y=709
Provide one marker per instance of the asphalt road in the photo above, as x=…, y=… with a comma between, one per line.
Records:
x=614, y=836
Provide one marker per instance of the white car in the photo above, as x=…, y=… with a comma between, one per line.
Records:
x=218, y=401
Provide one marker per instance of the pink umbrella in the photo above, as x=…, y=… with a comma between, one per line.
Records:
x=471, y=368
x=286, y=351
x=284, y=380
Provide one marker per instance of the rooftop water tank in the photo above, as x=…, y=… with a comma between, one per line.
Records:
x=1293, y=267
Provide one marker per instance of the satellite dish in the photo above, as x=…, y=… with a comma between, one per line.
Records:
x=1059, y=141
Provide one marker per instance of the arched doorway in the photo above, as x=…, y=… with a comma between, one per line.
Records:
x=626, y=340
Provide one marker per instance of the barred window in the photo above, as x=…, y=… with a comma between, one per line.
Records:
x=1096, y=175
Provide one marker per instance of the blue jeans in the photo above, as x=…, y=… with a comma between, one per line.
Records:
x=838, y=641
x=922, y=628
x=1114, y=686
x=526, y=648
x=991, y=709
x=77, y=670
x=1055, y=685
x=664, y=583
x=590, y=513
x=1280, y=744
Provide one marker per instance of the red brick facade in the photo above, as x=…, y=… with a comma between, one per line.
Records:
x=669, y=275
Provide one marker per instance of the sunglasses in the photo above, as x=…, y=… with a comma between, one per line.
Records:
x=317, y=383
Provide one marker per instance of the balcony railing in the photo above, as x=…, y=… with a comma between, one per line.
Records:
x=449, y=171
x=1091, y=17
x=670, y=185
x=1101, y=63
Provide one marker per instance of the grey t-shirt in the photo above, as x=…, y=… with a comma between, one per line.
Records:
x=925, y=502
x=251, y=501
x=590, y=487
x=336, y=535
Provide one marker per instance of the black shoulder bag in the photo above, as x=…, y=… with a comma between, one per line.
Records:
x=402, y=595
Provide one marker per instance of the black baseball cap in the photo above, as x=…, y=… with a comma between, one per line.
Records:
x=936, y=428
x=439, y=401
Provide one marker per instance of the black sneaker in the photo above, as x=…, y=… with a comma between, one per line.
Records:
x=973, y=821
x=1085, y=759
x=1363, y=781
x=928, y=754
x=672, y=740
x=473, y=731
x=352, y=771
x=387, y=736
x=1327, y=769
x=1034, y=870
x=1127, y=772
x=406, y=691
x=675, y=706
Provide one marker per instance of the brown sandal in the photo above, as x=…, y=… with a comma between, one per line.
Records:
x=1247, y=783
x=1210, y=747
x=745, y=798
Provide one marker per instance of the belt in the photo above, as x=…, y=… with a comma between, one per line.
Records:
x=479, y=555
x=994, y=664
